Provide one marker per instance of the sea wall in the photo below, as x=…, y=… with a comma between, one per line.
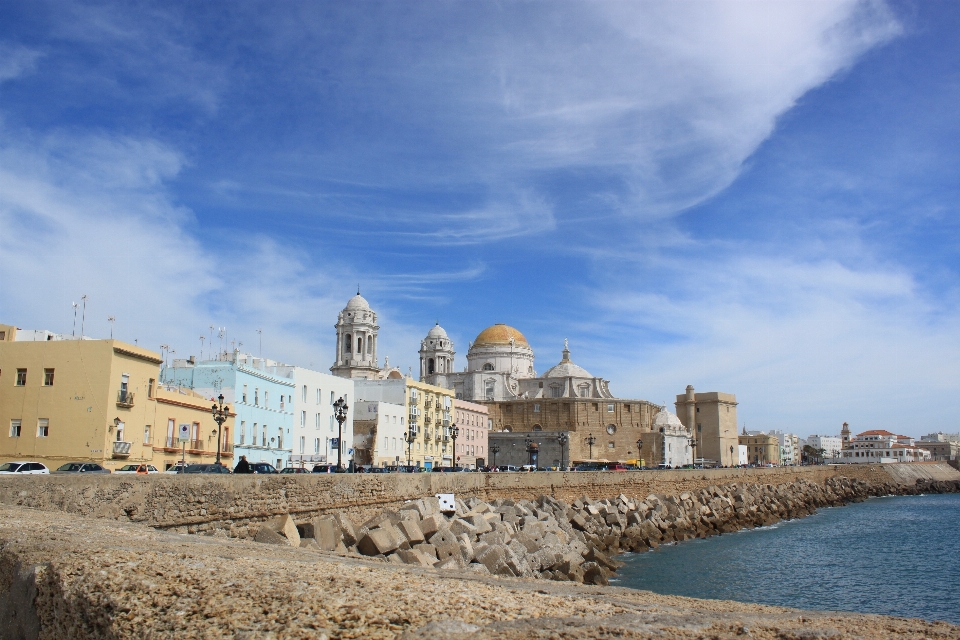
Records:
x=199, y=503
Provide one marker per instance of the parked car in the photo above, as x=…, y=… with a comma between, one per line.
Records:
x=324, y=468
x=207, y=468
x=24, y=468
x=142, y=469
x=177, y=468
x=262, y=467
x=616, y=467
x=294, y=470
x=528, y=467
x=82, y=467
x=507, y=467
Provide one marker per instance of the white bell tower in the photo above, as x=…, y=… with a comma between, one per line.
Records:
x=356, y=341
x=436, y=354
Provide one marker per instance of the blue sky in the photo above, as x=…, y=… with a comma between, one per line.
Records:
x=751, y=197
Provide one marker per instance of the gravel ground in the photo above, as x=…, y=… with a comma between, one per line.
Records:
x=100, y=578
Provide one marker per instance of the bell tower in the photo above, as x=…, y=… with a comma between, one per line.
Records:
x=845, y=435
x=436, y=355
x=356, y=341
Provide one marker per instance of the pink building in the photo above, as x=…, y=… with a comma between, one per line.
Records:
x=473, y=422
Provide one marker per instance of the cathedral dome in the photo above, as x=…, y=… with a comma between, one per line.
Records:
x=437, y=332
x=667, y=419
x=500, y=334
x=358, y=302
x=566, y=368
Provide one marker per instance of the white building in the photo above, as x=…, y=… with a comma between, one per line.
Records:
x=315, y=428
x=875, y=446
x=940, y=437
x=830, y=445
x=675, y=450
x=386, y=439
x=789, y=447
x=742, y=455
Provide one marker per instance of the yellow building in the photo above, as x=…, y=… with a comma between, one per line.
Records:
x=64, y=400
x=761, y=448
x=430, y=411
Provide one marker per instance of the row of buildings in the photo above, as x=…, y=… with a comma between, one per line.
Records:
x=68, y=398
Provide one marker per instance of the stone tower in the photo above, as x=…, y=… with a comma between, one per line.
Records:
x=356, y=341
x=436, y=354
x=845, y=435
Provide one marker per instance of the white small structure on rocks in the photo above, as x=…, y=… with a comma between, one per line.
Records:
x=674, y=448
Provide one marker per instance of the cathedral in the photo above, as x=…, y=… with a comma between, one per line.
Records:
x=356, y=353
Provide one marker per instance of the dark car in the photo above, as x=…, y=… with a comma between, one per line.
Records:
x=207, y=468
x=294, y=470
x=262, y=467
x=82, y=467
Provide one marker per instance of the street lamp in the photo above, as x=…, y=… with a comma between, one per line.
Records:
x=693, y=445
x=494, y=450
x=454, y=432
x=410, y=437
x=220, y=414
x=731, y=456
x=340, y=413
x=562, y=440
x=590, y=440
x=639, y=449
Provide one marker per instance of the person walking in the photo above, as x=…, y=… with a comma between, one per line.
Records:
x=243, y=466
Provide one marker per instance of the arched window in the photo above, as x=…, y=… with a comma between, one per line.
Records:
x=537, y=427
x=369, y=347
x=348, y=342
x=360, y=345
x=488, y=367
x=430, y=366
x=508, y=428
x=556, y=391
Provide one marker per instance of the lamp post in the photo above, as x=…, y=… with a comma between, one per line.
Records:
x=340, y=413
x=693, y=445
x=454, y=432
x=562, y=440
x=590, y=440
x=494, y=450
x=731, y=456
x=410, y=437
x=640, y=451
x=220, y=414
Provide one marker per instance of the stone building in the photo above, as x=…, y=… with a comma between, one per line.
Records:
x=712, y=417
x=761, y=448
x=542, y=449
x=356, y=347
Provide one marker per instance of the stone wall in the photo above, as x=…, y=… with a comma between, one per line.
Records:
x=203, y=502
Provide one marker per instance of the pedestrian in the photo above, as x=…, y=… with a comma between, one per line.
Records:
x=243, y=466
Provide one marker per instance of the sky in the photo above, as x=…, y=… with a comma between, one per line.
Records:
x=758, y=198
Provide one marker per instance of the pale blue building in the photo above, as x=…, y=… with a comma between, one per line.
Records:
x=259, y=391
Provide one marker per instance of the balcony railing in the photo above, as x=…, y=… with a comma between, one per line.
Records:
x=125, y=399
x=446, y=423
x=196, y=445
x=121, y=449
x=427, y=419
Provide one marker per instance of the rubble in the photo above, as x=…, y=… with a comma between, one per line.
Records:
x=552, y=540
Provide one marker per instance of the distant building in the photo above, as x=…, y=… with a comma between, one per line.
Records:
x=712, y=417
x=830, y=445
x=941, y=450
x=473, y=422
x=315, y=428
x=83, y=400
x=940, y=437
x=541, y=449
x=380, y=431
x=356, y=347
x=881, y=446
x=762, y=448
x=675, y=441
x=790, y=454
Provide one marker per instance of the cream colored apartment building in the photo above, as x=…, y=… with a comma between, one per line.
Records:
x=64, y=399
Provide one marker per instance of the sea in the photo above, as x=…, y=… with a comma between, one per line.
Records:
x=897, y=556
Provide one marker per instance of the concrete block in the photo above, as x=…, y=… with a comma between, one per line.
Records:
x=327, y=532
x=411, y=531
x=267, y=535
x=285, y=526
x=412, y=556
x=427, y=549
x=347, y=529
x=466, y=547
x=458, y=526
x=491, y=557
x=377, y=542
x=431, y=524
x=309, y=543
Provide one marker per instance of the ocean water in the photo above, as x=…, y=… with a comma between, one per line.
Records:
x=896, y=556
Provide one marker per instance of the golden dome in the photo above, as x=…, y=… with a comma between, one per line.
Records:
x=500, y=334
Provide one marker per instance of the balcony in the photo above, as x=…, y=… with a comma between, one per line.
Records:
x=125, y=399
x=121, y=449
x=427, y=420
x=195, y=446
x=446, y=423
x=413, y=399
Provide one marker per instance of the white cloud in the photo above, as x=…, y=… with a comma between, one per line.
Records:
x=17, y=61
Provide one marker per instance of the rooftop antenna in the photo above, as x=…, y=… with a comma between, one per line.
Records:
x=83, y=318
x=75, y=306
x=111, y=320
x=202, y=338
x=358, y=288
x=260, y=334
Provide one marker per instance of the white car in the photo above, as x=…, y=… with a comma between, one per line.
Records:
x=23, y=468
x=177, y=468
x=138, y=468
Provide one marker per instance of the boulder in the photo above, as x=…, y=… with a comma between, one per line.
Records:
x=285, y=526
x=377, y=542
x=347, y=530
x=267, y=535
x=327, y=532
x=411, y=531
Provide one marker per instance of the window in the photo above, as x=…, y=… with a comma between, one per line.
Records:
x=264, y=435
x=43, y=428
x=48, y=377
x=14, y=428
x=317, y=421
x=316, y=445
x=611, y=429
x=146, y=433
x=610, y=445
x=244, y=394
x=331, y=424
x=171, y=433
x=610, y=408
x=21, y=378
x=151, y=383
x=303, y=418
x=243, y=431
x=331, y=398
x=304, y=393
x=536, y=408
x=280, y=438
x=319, y=396
x=266, y=398
x=488, y=367
x=303, y=444
x=556, y=391
x=256, y=396
x=348, y=340
x=253, y=435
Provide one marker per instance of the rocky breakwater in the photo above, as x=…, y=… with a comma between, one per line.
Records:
x=550, y=539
